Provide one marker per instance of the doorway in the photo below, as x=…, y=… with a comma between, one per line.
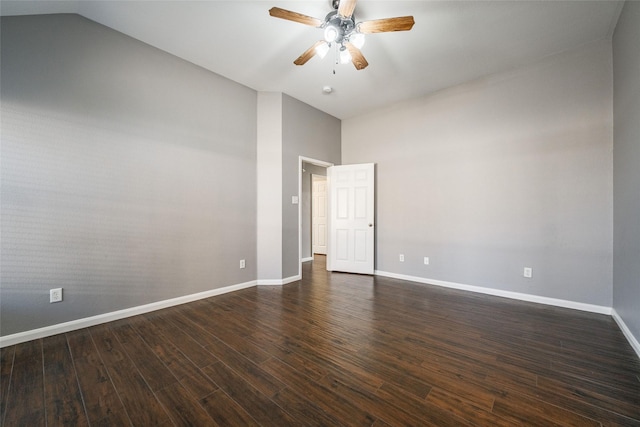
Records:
x=350, y=243
x=308, y=169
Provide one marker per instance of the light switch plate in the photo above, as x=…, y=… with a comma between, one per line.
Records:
x=294, y=200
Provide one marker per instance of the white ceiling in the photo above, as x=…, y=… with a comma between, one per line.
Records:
x=451, y=42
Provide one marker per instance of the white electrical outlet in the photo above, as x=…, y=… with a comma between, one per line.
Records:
x=242, y=264
x=401, y=257
x=55, y=295
x=426, y=260
x=528, y=272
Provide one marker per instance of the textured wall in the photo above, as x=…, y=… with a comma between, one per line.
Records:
x=626, y=167
x=128, y=175
x=507, y=172
x=306, y=132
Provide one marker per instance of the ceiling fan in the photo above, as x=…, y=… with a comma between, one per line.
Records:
x=342, y=31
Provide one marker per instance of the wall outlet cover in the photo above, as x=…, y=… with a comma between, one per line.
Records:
x=55, y=295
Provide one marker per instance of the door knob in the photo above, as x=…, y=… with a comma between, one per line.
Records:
x=370, y=225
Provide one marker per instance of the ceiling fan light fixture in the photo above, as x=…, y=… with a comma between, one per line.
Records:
x=345, y=55
x=357, y=39
x=331, y=33
x=342, y=31
x=322, y=50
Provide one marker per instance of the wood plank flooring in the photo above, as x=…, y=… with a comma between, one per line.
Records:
x=332, y=349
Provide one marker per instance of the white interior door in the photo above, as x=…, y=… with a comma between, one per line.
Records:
x=351, y=218
x=318, y=214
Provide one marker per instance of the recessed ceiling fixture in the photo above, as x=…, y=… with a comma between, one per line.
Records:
x=327, y=89
x=342, y=31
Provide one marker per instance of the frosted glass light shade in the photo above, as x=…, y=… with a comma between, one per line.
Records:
x=322, y=50
x=330, y=34
x=345, y=56
x=357, y=40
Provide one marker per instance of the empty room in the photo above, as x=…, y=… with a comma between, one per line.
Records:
x=329, y=212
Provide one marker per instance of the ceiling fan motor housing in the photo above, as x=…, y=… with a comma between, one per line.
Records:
x=343, y=27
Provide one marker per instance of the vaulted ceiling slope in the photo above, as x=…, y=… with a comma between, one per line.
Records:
x=451, y=42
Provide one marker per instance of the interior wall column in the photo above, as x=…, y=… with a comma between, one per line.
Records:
x=269, y=175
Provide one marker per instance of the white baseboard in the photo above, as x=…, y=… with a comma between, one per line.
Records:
x=279, y=282
x=292, y=279
x=626, y=331
x=500, y=293
x=86, y=322
x=526, y=297
x=307, y=259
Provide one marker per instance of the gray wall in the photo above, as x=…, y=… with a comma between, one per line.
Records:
x=305, y=201
x=626, y=167
x=306, y=132
x=128, y=175
x=499, y=174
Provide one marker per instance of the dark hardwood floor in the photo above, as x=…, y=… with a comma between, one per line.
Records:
x=333, y=349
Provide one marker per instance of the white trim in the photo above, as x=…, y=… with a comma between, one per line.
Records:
x=500, y=293
x=301, y=160
x=291, y=279
x=86, y=322
x=626, y=331
x=317, y=178
x=270, y=282
x=279, y=282
x=307, y=259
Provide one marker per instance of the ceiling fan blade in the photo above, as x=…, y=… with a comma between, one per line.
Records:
x=345, y=9
x=309, y=53
x=356, y=57
x=401, y=23
x=295, y=17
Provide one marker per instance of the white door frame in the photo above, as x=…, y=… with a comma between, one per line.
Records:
x=301, y=160
x=315, y=179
